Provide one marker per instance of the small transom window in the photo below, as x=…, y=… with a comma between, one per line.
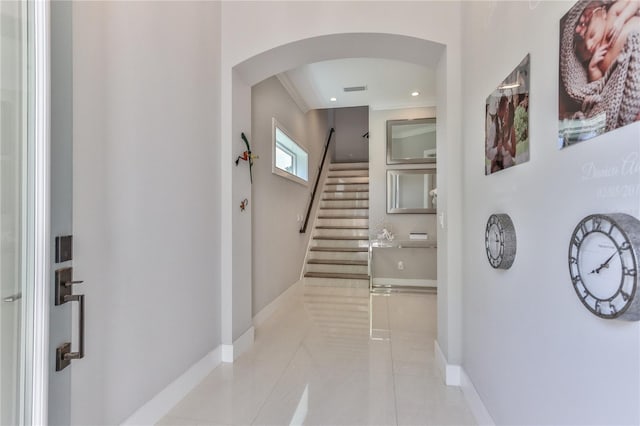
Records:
x=290, y=160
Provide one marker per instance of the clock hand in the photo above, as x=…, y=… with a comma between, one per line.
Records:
x=604, y=265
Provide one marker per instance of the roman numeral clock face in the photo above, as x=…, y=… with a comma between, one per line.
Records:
x=500, y=241
x=603, y=263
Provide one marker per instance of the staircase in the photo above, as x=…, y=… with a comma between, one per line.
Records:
x=338, y=252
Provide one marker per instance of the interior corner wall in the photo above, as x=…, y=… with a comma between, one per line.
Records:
x=349, y=145
x=146, y=105
x=533, y=352
x=278, y=247
x=242, y=189
x=419, y=263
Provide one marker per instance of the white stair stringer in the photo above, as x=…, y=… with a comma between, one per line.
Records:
x=338, y=250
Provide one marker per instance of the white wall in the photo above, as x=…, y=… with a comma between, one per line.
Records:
x=60, y=317
x=303, y=32
x=146, y=195
x=534, y=353
x=351, y=124
x=419, y=263
x=241, y=259
x=277, y=244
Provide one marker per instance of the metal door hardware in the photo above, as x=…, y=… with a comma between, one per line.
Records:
x=63, y=294
x=64, y=281
x=64, y=248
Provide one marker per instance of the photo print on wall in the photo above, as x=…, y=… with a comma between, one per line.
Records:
x=599, y=69
x=507, y=121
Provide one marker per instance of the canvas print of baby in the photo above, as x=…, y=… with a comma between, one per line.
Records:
x=599, y=68
x=507, y=121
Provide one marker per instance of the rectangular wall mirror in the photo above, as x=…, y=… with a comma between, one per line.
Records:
x=410, y=191
x=411, y=141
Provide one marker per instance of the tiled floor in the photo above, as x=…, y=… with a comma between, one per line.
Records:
x=333, y=357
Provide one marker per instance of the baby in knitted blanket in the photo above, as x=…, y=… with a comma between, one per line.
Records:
x=602, y=32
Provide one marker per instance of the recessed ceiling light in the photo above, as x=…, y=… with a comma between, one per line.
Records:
x=333, y=99
x=415, y=93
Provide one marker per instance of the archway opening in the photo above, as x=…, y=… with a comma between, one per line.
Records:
x=237, y=274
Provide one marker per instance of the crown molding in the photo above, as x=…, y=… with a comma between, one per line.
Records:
x=293, y=92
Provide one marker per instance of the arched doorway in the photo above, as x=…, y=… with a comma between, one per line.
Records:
x=237, y=330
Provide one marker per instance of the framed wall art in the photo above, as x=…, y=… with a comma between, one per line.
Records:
x=507, y=121
x=599, y=87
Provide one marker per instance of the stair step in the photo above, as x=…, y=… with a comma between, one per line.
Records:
x=345, y=190
x=342, y=227
x=346, y=183
x=344, y=208
x=340, y=237
x=341, y=249
x=338, y=255
x=332, y=282
x=346, y=199
x=340, y=204
x=331, y=275
x=344, y=217
x=349, y=166
x=350, y=169
x=345, y=176
x=346, y=187
x=350, y=221
x=348, y=173
x=331, y=268
x=337, y=262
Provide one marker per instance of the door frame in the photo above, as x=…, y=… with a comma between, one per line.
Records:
x=35, y=316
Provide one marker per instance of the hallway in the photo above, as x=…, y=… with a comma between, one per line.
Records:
x=333, y=356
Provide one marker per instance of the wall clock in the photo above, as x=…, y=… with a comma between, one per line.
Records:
x=500, y=241
x=604, y=255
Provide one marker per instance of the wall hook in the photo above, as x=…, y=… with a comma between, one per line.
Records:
x=244, y=204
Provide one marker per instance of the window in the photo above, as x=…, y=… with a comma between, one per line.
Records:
x=290, y=160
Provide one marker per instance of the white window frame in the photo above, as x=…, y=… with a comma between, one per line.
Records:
x=278, y=171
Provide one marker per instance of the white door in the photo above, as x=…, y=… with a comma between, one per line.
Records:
x=23, y=213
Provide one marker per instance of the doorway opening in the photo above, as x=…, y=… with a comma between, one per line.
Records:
x=237, y=279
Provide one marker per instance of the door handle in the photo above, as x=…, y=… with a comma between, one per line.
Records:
x=63, y=352
x=13, y=298
x=63, y=294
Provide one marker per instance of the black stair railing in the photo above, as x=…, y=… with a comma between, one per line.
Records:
x=315, y=186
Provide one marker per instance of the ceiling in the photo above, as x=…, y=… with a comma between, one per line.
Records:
x=389, y=84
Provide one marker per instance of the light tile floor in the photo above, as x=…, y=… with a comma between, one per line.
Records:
x=333, y=356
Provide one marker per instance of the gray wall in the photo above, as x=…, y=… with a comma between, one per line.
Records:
x=146, y=190
x=351, y=124
x=278, y=247
x=419, y=263
x=533, y=352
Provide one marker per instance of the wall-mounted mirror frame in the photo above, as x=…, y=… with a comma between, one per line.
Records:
x=411, y=141
x=409, y=191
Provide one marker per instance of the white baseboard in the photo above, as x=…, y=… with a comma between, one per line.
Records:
x=456, y=376
x=450, y=372
x=405, y=282
x=475, y=402
x=158, y=407
x=279, y=301
x=230, y=353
